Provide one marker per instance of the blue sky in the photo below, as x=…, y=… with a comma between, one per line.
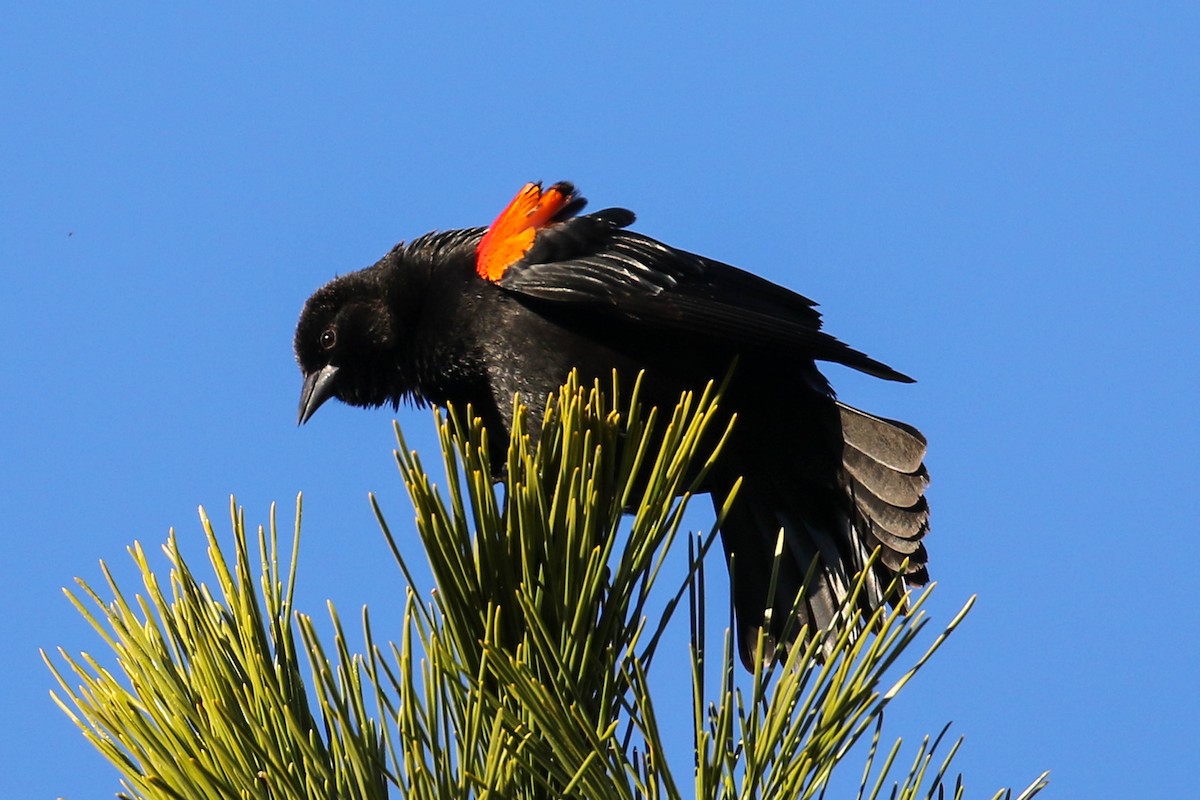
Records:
x=1003, y=202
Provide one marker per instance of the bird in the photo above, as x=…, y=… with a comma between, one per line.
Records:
x=480, y=314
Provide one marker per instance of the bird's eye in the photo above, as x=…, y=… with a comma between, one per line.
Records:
x=329, y=339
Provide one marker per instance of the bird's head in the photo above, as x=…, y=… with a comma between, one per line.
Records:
x=345, y=345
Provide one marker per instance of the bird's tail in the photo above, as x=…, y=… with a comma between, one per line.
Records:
x=829, y=534
x=884, y=474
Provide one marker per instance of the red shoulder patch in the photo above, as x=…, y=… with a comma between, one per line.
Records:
x=511, y=235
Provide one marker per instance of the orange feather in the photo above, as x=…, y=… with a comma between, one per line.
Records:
x=511, y=235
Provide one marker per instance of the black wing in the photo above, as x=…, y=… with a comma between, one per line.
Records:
x=592, y=260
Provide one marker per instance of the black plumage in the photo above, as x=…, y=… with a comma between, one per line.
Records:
x=469, y=316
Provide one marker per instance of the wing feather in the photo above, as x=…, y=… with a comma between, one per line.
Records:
x=592, y=261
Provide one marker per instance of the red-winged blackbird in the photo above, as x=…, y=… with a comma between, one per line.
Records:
x=474, y=316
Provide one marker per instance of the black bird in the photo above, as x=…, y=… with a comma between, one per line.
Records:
x=475, y=315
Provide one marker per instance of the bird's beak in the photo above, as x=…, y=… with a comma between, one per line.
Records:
x=318, y=387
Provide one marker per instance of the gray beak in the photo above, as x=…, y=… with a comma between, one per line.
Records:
x=318, y=387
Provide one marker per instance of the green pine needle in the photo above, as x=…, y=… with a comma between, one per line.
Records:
x=527, y=672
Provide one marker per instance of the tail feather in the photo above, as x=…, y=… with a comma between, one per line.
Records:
x=877, y=503
x=898, y=489
x=902, y=523
x=750, y=534
x=884, y=475
x=912, y=548
x=894, y=444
